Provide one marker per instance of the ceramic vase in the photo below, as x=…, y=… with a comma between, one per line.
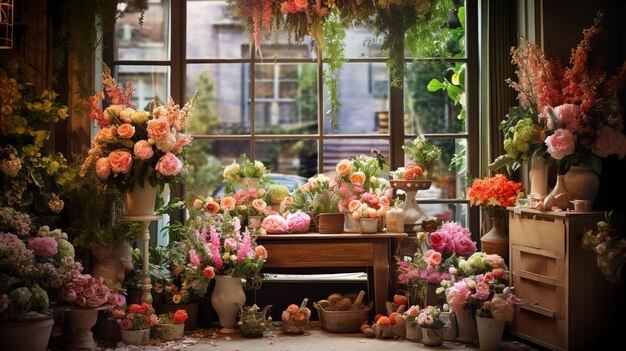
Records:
x=560, y=197
x=227, y=298
x=432, y=337
x=135, y=337
x=368, y=225
x=466, y=326
x=496, y=240
x=26, y=335
x=489, y=333
x=141, y=200
x=583, y=182
x=538, y=176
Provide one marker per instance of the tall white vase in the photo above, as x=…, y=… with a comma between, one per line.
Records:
x=227, y=299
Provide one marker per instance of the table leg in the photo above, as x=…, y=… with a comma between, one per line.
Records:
x=381, y=275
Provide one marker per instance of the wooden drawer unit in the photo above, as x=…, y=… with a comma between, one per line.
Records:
x=569, y=303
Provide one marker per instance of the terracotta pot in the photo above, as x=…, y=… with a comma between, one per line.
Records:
x=496, y=240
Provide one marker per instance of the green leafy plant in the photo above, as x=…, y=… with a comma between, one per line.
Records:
x=333, y=51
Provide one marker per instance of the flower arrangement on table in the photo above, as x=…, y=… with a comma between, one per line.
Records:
x=138, y=317
x=424, y=154
x=609, y=246
x=358, y=176
x=494, y=194
x=484, y=295
x=371, y=204
x=31, y=180
x=135, y=146
x=89, y=292
x=236, y=174
x=568, y=114
x=318, y=195
x=296, y=222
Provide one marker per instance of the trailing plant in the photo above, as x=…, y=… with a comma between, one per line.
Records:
x=333, y=51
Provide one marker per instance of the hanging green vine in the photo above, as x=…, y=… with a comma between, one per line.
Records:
x=333, y=54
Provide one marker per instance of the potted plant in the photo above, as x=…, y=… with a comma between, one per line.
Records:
x=369, y=210
x=295, y=319
x=320, y=199
x=135, y=323
x=171, y=326
x=432, y=326
x=244, y=175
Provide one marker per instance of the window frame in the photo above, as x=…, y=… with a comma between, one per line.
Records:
x=396, y=134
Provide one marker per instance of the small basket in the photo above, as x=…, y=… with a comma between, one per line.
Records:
x=295, y=327
x=342, y=321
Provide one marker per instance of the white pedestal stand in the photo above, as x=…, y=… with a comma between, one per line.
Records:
x=146, y=283
x=413, y=213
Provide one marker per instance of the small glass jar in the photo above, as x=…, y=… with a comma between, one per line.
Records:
x=395, y=220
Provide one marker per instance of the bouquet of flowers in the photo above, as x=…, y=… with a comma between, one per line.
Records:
x=494, y=194
x=430, y=317
x=31, y=180
x=138, y=317
x=568, y=114
x=134, y=146
x=609, y=246
x=484, y=295
x=371, y=204
x=250, y=202
x=360, y=175
x=423, y=153
x=319, y=195
x=235, y=173
x=87, y=291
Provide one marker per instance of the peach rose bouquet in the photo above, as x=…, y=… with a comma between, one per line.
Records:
x=134, y=146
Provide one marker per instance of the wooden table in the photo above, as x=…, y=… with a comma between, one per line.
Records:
x=335, y=250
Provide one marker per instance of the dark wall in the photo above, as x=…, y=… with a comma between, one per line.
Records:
x=563, y=22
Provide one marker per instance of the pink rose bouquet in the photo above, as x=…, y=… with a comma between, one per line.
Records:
x=89, y=292
x=134, y=146
x=484, y=295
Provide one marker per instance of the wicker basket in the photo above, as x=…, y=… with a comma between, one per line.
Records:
x=342, y=321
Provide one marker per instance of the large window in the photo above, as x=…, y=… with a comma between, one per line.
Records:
x=272, y=105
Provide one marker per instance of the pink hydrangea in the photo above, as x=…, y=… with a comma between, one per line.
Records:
x=44, y=246
x=298, y=222
x=457, y=295
x=275, y=224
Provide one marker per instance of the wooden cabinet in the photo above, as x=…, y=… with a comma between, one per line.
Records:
x=569, y=303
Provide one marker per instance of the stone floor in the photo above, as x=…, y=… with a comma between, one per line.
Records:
x=315, y=339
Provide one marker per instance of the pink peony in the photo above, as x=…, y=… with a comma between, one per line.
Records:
x=298, y=222
x=126, y=324
x=118, y=300
x=121, y=161
x=169, y=165
x=44, y=246
x=463, y=246
x=143, y=150
x=275, y=224
x=561, y=144
x=607, y=142
x=103, y=168
x=457, y=295
x=126, y=131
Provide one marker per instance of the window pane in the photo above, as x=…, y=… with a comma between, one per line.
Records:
x=287, y=106
x=447, y=183
x=427, y=111
x=336, y=150
x=360, y=42
x=446, y=211
x=292, y=157
x=147, y=41
x=213, y=33
x=363, y=94
x=149, y=82
x=222, y=98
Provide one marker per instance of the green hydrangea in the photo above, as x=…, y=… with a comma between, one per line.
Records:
x=522, y=136
x=21, y=300
x=39, y=299
x=276, y=193
x=66, y=249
